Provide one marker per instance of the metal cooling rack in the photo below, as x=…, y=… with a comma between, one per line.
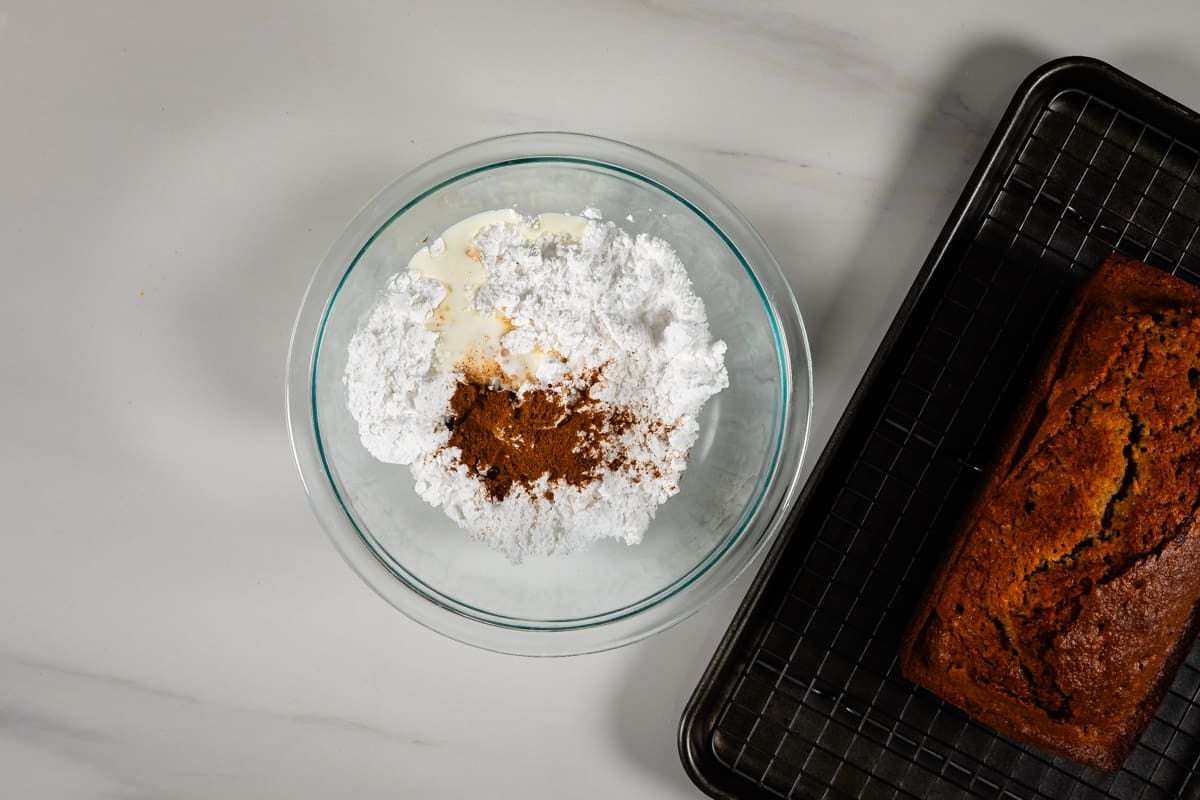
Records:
x=805, y=699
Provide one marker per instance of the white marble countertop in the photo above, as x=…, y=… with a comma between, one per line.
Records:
x=173, y=623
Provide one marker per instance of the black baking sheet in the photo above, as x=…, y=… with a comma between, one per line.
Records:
x=804, y=698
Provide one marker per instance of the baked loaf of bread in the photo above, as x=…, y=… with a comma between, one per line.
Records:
x=1068, y=599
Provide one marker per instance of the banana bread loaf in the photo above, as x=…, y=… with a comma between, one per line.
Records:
x=1068, y=599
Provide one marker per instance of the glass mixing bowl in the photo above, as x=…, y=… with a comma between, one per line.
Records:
x=743, y=471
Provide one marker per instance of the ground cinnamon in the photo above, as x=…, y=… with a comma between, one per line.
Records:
x=508, y=439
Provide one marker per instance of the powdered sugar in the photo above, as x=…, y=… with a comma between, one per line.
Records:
x=391, y=389
x=617, y=308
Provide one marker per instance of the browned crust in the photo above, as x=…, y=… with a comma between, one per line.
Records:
x=1118, y=283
